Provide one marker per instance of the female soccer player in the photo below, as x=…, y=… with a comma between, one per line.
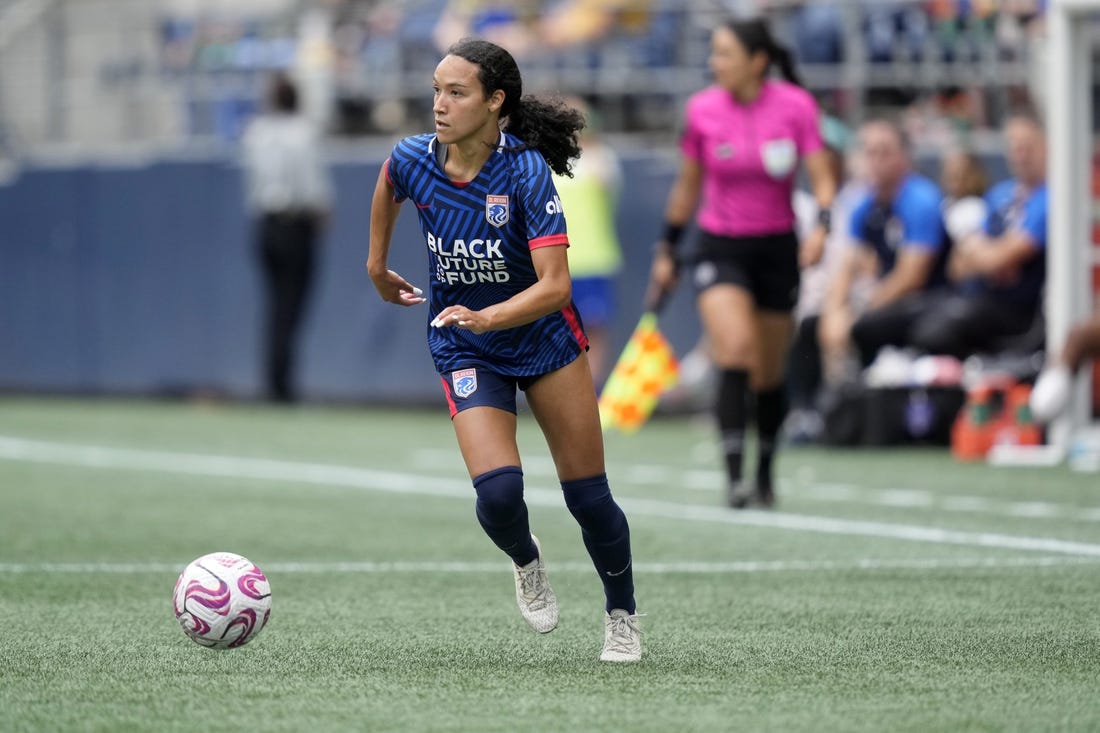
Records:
x=742, y=143
x=501, y=315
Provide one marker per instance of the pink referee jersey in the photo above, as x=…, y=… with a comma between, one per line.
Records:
x=750, y=154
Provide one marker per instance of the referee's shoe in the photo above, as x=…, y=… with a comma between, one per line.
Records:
x=743, y=494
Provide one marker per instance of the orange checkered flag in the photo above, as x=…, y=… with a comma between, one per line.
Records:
x=645, y=370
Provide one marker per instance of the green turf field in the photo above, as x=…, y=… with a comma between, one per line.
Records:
x=892, y=591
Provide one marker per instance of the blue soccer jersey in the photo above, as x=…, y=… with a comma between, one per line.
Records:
x=480, y=235
x=1012, y=207
x=911, y=219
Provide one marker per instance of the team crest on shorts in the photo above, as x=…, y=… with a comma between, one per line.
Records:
x=464, y=382
x=496, y=210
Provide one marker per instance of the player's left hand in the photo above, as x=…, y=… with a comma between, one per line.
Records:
x=457, y=316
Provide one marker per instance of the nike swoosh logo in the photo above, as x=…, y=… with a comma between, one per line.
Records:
x=615, y=575
x=424, y=206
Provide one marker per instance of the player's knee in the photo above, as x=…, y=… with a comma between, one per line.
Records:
x=589, y=501
x=499, y=494
x=734, y=353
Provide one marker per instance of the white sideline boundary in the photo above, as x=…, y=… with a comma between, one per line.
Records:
x=801, y=487
x=283, y=471
x=656, y=568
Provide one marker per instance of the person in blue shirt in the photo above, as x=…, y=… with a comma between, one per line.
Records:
x=501, y=316
x=999, y=272
x=899, y=248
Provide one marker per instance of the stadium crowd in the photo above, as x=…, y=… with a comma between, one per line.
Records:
x=629, y=58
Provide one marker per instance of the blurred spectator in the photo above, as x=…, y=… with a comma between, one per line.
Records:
x=961, y=27
x=818, y=30
x=572, y=22
x=1017, y=21
x=369, y=45
x=508, y=24
x=895, y=30
x=590, y=199
x=964, y=185
x=1000, y=270
x=289, y=193
x=899, y=237
x=804, y=368
x=940, y=118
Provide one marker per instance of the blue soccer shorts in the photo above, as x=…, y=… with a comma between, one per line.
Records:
x=479, y=387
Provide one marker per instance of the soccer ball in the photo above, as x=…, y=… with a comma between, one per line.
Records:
x=222, y=600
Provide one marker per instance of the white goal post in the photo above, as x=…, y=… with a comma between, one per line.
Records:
x=1069, y=130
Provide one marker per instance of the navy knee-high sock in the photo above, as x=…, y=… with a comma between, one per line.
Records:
x=606, y=536
x=771, y=408
x=503, y=513
x=733, y=390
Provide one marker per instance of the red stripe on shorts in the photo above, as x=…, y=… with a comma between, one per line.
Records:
x=450, y=400
x=575, y=325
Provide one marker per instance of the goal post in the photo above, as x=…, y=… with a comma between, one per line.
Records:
x=1069, y=241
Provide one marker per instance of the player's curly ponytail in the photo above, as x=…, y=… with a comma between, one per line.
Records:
x=548, y=125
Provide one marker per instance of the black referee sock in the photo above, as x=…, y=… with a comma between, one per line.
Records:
x=733, y=390
x=771, y=408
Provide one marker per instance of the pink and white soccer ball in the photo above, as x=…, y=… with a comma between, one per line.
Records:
x=222, y=600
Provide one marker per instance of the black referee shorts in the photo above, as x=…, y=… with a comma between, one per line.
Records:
x=766, y=266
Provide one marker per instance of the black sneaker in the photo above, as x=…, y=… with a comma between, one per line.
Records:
x=739, y=494
x=765, y=497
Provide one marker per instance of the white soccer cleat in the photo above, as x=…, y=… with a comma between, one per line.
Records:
x=1051, y=393
x=536, y=600
x=622, y=637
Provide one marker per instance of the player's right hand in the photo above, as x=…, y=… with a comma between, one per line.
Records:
x=395, y=289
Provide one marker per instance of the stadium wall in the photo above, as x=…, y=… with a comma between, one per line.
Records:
x=142, y=279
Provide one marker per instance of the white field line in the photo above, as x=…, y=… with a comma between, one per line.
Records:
x=655, y=568
x=712, y=480
x=271, y=470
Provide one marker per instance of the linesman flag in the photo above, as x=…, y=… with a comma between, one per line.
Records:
x=645, y=370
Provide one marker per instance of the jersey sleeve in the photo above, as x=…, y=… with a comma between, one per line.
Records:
x=808, y=126
x=394, y=167
x=387, y=166
x=857, y=222
x=1034, y=222
x=691, y=139
x=542, y=209
x=921, y=218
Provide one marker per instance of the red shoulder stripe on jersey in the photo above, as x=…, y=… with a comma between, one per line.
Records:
x=570, y=316
x=549, y=240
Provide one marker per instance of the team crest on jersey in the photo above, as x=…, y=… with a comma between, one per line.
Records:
x=496, y=210
x=464, y=382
